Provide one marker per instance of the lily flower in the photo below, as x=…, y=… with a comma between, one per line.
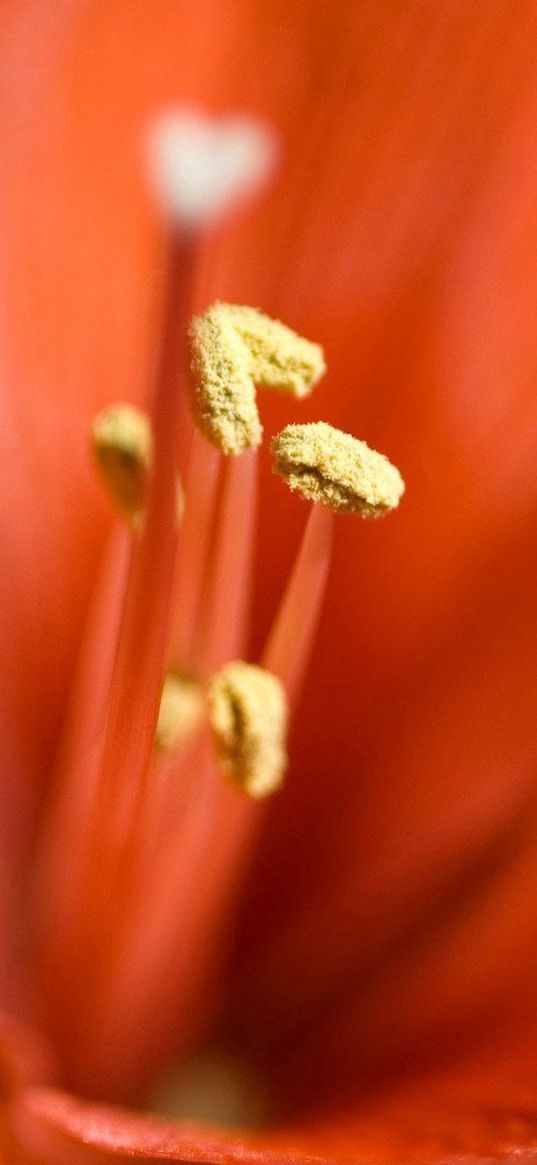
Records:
x=268, y=804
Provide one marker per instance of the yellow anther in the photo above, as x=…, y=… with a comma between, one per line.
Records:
x=122, y=444
x=331, y=467
x=248, y=713
x=123, y=449
x=233, y=350
x=181, y=710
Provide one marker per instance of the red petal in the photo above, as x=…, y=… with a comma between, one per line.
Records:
x=53, y=1128
x=422, y=911
x=398, y=844
x=25, y=1059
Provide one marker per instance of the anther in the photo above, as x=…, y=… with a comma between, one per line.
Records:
x=123, y=449
x=248, y=714
x=328, y=466
x=233, y=350
x=122, y=445
x=180, y=713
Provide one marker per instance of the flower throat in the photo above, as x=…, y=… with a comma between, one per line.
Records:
x=173, y=737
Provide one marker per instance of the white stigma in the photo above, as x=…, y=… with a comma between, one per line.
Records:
x=201, y=165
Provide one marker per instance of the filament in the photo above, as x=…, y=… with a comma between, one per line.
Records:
x=289, y=645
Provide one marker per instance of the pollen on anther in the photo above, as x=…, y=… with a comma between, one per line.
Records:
x=248, y=713
x=234, y=349
x=331, y=467
x=122, y=445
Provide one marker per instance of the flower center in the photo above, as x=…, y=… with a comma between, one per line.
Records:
x=145, y=842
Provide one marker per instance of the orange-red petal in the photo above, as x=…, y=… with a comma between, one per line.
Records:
x=49, y=1127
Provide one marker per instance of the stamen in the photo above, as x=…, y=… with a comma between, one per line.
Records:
x=234, y=349
x=123, y=447
x=248, y=713
x=201, y=491
x=181, y=708
x=290, y=642
x=328, y=466
x=223, y=627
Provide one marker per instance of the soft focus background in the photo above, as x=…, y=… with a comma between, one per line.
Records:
x=390, y=921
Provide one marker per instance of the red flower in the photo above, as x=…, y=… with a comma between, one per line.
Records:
x=382, y=971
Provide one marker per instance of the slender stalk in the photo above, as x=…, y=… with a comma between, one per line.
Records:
x=290, y=641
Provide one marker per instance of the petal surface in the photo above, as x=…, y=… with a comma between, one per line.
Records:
x=401, y=838
x=52, y=1128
